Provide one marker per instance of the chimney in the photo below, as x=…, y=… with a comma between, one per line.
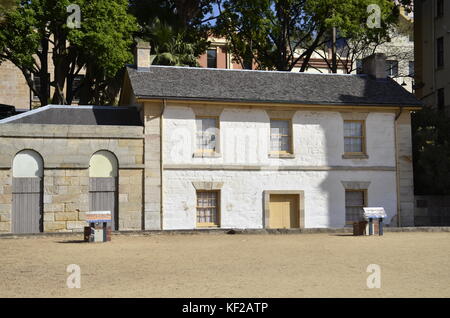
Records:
x=142, y=54
x=375, y=65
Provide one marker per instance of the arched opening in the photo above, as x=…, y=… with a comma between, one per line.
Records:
x=103, y=194
x=27, y=192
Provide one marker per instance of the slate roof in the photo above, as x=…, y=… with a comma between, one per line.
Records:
x=78, y=115
x=189, y=83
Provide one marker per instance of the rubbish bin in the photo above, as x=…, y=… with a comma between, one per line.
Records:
x=359, y=228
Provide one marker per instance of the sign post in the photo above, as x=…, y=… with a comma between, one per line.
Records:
x=375, y=213
x=99, y=229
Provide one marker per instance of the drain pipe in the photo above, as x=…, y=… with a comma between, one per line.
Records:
x=397, y=174
x=161, y=156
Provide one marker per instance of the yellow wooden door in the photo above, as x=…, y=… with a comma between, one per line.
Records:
x=283, y=211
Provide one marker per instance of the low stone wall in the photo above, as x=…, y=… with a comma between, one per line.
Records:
x=66, y=151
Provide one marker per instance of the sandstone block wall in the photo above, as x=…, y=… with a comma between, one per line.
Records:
x=66, y=151
x=13, y=87
x=5, y=200
x=152, y=183
x=405, y=170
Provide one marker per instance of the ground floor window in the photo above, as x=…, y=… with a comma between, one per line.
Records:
x=208, y=208
x=355, y=201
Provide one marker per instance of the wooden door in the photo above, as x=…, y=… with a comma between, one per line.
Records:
x=283, y=211
x=103, y=197
x=27, y=205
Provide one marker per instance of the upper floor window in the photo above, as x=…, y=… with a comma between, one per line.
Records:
x=411, y=68
x=440, y=52
x=212, y=58
x=440, y=99
x=37, y=87
x=280, y=136
x=77, y=81
x=354, y=138
x=248, y=63
x=359, y=67
x=207, y=130
x=440, y=8
x=392, y=68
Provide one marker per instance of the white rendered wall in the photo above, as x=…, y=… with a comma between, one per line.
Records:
x=242, y=195
x=244, y=141
x=244, y=138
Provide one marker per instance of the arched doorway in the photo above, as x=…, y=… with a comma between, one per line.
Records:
x=27, y=194
x=103, y=171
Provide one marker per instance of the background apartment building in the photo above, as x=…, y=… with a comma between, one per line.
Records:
x=399, y=51
x=15, y=91
x=432, y=33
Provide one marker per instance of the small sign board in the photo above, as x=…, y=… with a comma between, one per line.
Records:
x=374, y=213
x=98, y=216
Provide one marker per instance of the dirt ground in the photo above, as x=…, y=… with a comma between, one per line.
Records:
x=220, y=265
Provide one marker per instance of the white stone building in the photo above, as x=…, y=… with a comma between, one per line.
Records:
x=199, y=148
x=258, y=149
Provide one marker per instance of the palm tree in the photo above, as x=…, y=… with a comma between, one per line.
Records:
x=169, y=47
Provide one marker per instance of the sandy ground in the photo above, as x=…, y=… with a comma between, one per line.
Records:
x=219, y=265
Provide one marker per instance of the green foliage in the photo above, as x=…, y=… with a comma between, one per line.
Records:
x=278, y=34
x=431, y=151
x=35, y=31
x=176, y=29
x=169, y=46
x=5, y=5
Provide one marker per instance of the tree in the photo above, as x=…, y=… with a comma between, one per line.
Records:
x=35, y=32
x=169, y=46
x=5, y=5
x=176, y=29
x=431, y=152
x=361, y=45
x=282, y=34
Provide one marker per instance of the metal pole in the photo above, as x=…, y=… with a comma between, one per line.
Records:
x=380, y=226
x=333, y=52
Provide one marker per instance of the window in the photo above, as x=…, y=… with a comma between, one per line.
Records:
x=440, y=8
x=392, y=68
x=354, y=137
x=207, y=130
x=37, y=87
x=77, y=81
x=359, y=67
x=280, y=136
x=248, y=63
x=411, y=68
x=207, y=208
x=355, y=200
x=440, y=52
x=440, y=99
x=212, y=58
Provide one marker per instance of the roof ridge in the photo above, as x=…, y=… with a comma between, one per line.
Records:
x=147, y=69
